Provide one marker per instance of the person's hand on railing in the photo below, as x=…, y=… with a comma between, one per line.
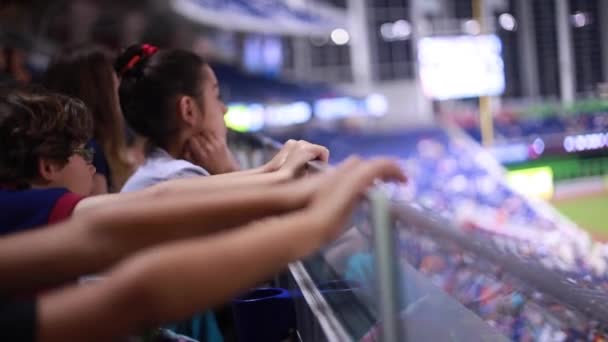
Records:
x=338, y=190
x=294, y=155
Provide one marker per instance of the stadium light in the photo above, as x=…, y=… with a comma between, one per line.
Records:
x=507, y=22
x=471, y=27
x=580, y=19
x=538, y=147
x=399, y=30
x=376, y=104
x=340, y=36
x=386, y=30
x=402, y=29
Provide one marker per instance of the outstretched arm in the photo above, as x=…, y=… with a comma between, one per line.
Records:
x=93, y=241
x=90, y=243
x=175, y=280
x=286, y=165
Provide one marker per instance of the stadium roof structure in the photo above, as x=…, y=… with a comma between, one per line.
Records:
x=284, y=17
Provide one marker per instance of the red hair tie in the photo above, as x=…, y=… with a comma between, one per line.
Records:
x=147, y=51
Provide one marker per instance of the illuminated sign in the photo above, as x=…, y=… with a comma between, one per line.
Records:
x=376, y=104
x=244, y=118
x=585, y=142
x=534, y=182
x=336, y=108
x=287, y=114
x=344, y=107
x=512, y=153
x=461, y=66
x=253, y=117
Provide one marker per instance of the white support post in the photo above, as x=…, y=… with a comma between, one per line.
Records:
x=528, y=65
x=567, y=75
x=360, y=51
x=603, y=16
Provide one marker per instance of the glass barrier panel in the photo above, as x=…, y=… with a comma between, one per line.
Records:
x=501, y=282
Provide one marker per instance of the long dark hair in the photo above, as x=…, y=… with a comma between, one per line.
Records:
x=86, y=72
x=150, y=81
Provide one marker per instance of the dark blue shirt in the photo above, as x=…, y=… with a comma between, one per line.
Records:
x=25, y=209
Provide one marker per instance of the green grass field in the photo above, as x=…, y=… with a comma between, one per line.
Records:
x=591, y=213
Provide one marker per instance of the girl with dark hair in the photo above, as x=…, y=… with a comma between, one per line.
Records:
x=86, y=72
x=172, y=98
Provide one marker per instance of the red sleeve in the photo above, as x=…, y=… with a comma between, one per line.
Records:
x=64, y=206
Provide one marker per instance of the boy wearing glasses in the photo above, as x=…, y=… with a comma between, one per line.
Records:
x=45, y=168
x=46, y=171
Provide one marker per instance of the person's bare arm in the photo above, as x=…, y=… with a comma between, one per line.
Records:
x=122, y=303
x=175, y=280
x=93, y=240
x=176, y=188
x=90, y=243
x=287, y=165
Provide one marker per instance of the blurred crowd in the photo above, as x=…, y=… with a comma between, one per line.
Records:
x=518, y=310
x=452, y=176
x=468, y=187
x=457, y=179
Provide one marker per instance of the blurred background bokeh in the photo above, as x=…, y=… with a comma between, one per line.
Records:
x=497, y=109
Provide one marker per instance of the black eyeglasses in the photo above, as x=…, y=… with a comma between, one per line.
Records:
x=87, y=153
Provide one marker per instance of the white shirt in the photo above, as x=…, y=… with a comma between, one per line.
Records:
x=160, y=166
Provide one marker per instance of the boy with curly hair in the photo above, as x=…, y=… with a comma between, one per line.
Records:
x=45, y=169
x=46, y=174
